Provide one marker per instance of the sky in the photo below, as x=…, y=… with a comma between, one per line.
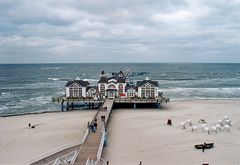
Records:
x=83, y=31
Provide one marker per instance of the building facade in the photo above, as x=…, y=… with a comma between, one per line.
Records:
x=112, y=87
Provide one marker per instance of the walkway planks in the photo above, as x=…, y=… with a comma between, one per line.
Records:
x=89, y=148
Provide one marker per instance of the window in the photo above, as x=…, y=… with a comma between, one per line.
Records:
x=131, y=93
x=92, y=92
x=120, y=89
x=75, y=90
x=148, y=91
x=112, y=86
x=102, y=89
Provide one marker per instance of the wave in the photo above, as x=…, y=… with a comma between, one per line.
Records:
x=91, y=80
x=52, y=68
x=179, y=89
x=57, y=79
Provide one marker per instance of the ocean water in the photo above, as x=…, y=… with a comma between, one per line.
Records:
x=30, y=87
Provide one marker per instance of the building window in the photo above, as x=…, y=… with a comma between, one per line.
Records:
x=148, y=91
x=92, y=93
x=111, y=86
x=102, y=89
x=75, y=91
x=120, y=89
x=131, y=93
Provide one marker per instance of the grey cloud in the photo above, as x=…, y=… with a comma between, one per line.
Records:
x=119, y=31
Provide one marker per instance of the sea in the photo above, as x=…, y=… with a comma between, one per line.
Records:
x=29, y=88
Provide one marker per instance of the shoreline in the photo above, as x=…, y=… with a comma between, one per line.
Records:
x=171, y=100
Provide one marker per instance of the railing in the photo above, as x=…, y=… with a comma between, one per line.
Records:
x=58, y=149
x=85, y=136
x=66, y=159
x=136, y=100
x=90, y=162
x=100, y=148
x=108, y=112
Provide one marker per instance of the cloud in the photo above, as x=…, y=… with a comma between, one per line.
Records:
x=119, y=31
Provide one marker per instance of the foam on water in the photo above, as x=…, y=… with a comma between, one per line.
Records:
x=29, y=88
x=51, y=68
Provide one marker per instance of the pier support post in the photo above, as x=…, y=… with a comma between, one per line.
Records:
x=89, y=105
x=67, y=106
x=134, y=105
x=85, y=105
x=159, y=105
x=72, y=106
x=62, y=106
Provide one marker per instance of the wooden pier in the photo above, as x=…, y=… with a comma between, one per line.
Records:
x=90, y=103
x=91, y=150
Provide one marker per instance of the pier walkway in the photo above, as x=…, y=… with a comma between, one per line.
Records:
x=92, y=148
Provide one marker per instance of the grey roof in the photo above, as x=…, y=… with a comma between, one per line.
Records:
x=103, y=80
x=80, y=82
x=113, y=77
x=141, y=83
x=131, y=87
x=121, y=80
x=94, y=87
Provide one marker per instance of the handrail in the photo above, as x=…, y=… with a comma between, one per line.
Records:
x=67, y=158
x=100, y=148
x=85, y=136
x=59, y=149
x=74, y=157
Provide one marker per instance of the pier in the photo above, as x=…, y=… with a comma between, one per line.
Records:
x=89, y=149
x=91, y=103
x=110, y=91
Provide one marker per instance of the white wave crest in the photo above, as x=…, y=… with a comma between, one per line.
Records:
x=54, y=79
x=49, y=68
x=91, y=80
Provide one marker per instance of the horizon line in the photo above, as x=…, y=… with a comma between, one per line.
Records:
x=121, y=63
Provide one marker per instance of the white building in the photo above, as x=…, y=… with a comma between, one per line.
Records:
x=76, y=88
x=147, y=88
x=112, y=87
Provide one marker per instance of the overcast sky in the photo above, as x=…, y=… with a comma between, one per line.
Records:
x=39, y=31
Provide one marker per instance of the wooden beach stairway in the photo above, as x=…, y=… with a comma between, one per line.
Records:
x=91, y=149
x=90, y=146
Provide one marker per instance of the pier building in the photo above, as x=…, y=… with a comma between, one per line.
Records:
x=115, y=86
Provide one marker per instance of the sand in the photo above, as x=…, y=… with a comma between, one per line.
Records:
x=54, y=131
x=142, y=135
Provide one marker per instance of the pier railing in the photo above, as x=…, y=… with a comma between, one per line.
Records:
x=66, y=159
x=100, y=148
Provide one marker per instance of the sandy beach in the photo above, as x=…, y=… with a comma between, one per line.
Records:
x=133, y=135
x=142, y=135
x=21, y=145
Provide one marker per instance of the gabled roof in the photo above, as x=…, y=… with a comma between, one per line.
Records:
x=94, y=87
x=131, y=87
x=121, y=72
x=103, y=80
x=79, y=82
x=121, y=80
x=112, y=78
x=141, y=83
